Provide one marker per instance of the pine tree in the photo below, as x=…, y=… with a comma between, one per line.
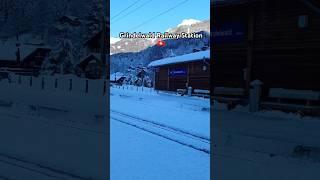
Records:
x=62, y=58
x=93, y=18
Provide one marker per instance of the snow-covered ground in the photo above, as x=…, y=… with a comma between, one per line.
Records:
x=52, y=133
x=58, y=134
x=262, y=145
x=158, y=135
x=43, y=148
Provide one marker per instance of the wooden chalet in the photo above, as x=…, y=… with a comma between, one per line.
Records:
x=181, y=72
x=275, y=41
x=26, y=57
x=91, y=64
x=117, y=78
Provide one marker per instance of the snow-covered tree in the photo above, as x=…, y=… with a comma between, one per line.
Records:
x=138, y=76
x=93, y=18
x=61, y=59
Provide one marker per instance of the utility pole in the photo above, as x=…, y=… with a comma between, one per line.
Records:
x=18, y=54
x=103, y=47
x=105, y=14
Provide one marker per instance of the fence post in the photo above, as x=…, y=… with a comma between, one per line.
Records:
x=87, y=86
x=255, y=94
x=70, y=85
x=56, y=83
x=189, y=91
x=30, y=83
x=42, y=83
x=104, y=87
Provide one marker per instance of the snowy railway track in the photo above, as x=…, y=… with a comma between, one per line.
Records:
x=15, y=169
x=194, y=141
x=63, y=123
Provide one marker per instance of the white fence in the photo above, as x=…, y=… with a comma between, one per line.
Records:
x=82, y=98
x=132, y=88
x=61, y=83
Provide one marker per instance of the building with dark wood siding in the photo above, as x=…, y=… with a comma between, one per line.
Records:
x=180, y=72
x=277, y=42
x=26, y=56
x=91, y=64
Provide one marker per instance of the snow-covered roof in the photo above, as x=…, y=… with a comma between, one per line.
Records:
x=116, y=76
x=27, y=38
x=95, y=55
x=8, y=50
x=181, y=59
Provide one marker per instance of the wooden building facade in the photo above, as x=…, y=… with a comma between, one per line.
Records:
x=180, y=72
x=277, y=42
x=25, y=58
x=91, y=65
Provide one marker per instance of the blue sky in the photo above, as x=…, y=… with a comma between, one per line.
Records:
x=191, y=9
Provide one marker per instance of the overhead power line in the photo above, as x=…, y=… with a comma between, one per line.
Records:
x=122, y=11
x=132, y=11
x=160, y=14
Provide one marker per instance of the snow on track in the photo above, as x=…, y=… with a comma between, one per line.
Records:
x=15, y=168
x=170, y=133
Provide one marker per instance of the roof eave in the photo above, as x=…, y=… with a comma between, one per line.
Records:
x=167, y=64
x=231, y=2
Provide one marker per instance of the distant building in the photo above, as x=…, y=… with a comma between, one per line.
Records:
x=180, y=72
x=117, y=78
